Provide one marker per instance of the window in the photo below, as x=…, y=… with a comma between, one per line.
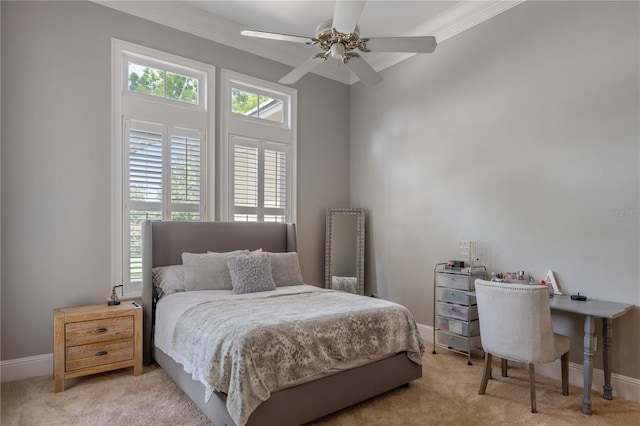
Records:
x=259, y=180
x=259, y=145
x=163, y=157
x=254, y=105
x=161, y=83
x=165, y=179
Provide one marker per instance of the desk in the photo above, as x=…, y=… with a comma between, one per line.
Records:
x=592, y=309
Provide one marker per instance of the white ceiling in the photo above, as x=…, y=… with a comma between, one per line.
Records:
x=378, y=19
x=222, y=21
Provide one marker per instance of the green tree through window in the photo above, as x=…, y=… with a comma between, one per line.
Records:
x=243, y=102
x=155, y=82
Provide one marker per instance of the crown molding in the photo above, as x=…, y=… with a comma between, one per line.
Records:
x=451, y=22
x=458, y=18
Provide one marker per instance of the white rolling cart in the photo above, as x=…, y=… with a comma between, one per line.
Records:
x=455, y=313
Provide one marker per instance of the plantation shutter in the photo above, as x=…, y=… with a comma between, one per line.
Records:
x=275, y=182
x=186, y=174
x=259, y=181
x=164, y=180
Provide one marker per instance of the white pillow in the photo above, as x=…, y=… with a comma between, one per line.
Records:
x=251, y=274
x=208, y=271
x=168, y=279
x=285, y=268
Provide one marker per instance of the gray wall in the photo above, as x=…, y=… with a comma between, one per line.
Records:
x=56, y=158
x=521, y=133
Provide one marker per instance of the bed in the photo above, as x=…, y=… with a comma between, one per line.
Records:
x=295, y=403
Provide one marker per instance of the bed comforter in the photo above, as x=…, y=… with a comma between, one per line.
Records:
x=247, y=347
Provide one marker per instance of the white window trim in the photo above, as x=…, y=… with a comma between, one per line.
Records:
x=119, y=50
x=229, y=79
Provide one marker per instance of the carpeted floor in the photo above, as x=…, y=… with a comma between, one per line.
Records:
x=447, y=394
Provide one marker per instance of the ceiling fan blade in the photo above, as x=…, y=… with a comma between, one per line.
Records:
x=275, y=36
x=346, y=15
x=425, y=44
x=367, y=75
x=299, y=71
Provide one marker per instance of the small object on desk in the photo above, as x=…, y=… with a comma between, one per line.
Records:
x=454, y=265
x=578, y=297
x=551, y=279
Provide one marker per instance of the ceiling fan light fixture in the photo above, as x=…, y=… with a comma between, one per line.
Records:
x=337, y=50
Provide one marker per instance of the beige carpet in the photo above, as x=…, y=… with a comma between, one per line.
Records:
x=447, y=394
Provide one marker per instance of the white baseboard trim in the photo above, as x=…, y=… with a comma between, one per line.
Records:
x=24, y=368
x=623, y=387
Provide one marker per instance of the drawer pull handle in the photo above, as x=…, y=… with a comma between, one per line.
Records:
x=100, y=330
x=100, y=353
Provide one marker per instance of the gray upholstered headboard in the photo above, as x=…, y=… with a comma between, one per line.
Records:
x=164, y=242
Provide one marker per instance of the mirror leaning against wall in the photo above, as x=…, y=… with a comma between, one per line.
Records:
x=344, y=250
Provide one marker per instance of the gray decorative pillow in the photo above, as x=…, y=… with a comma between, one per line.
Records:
x=285, y=268
x=208, y=271
x=168, y=279
x=251, y=274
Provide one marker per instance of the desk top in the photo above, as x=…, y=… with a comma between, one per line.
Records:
x=590, y=307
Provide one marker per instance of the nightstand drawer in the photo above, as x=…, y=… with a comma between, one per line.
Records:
x=100, y=330
x=460, y=282
x=460, y=297
x=91, y=355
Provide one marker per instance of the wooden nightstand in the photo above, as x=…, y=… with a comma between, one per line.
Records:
x=94, y=339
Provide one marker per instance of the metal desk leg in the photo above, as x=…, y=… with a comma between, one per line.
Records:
x=607, y=335
x=589, y=343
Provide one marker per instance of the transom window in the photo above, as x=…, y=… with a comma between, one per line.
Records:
x=173, y=82
x=259, y=106
x=165, y=84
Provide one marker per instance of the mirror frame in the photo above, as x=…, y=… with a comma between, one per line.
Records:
x=360, y=232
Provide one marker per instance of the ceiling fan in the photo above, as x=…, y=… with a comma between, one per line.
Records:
x=340, y=37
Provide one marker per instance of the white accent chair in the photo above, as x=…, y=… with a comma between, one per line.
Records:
x=515, y=324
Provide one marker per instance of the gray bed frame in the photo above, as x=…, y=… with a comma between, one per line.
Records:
x=163, y=244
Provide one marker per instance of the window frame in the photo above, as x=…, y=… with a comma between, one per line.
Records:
x=142, y=107
x=258, y=129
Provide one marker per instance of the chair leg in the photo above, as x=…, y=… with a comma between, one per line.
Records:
x=564, y=365
x=485, y=374
x=504, y=366
x=532, y=386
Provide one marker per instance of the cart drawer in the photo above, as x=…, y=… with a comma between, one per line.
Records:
x=460, y=297
x=458, y=343
x=460, y=282
x=450, y=310
x=465, y=328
